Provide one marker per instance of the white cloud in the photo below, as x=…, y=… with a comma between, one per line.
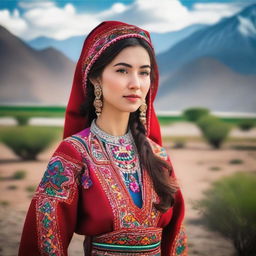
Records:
x=47, y=19
x=13, y=22
x=171, y=15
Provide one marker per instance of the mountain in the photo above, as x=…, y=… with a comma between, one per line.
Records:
x=209, y=83
x=232, y=41
x=70, y=47
x=29, y=76
x=164, y=41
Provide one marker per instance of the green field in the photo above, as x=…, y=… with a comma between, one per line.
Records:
x=57, y=111
x=32, y=111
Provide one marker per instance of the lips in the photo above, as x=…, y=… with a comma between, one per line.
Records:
x=132, y=96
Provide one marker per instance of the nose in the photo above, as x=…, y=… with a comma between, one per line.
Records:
x=134, y=82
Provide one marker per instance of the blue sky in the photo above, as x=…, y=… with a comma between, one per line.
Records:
x=62, y=19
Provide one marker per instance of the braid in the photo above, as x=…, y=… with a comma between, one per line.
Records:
x=164, y=185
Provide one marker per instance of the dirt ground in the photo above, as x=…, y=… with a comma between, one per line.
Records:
x=196, y=166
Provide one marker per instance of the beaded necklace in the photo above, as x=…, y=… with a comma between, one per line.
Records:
x=123, y=152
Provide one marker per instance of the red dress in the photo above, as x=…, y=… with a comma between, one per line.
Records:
x=82, y=192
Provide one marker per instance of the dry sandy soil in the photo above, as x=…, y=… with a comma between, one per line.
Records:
x=193, y=165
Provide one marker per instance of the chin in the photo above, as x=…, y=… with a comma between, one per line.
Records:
x=130, y=109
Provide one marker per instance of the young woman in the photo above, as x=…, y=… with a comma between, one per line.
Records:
x=110, y=179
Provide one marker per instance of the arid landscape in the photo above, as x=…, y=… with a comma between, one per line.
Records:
x=196, y=164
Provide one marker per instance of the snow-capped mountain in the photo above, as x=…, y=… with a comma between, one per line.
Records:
x=232, y=41
x=214, y=67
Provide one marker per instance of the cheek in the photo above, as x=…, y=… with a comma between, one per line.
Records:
x=146, y=87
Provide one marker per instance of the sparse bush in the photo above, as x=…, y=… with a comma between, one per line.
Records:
x=19, y=175
x=246, y=124
x=236, y=161
x=27, y=141
x=194, y=114
x=207, y=121
x=179, y=144
x=214, y=130
x=4, y=203
x=31, y=189
x=215, y=168
x=229, y=207
x=22, y=119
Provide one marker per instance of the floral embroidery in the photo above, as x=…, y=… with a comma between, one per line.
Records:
x=58, y=177
x=49, y=239
x=126, y=214
x=180, y=243
x=58, y=184
x=133, y=185
x=85, y=179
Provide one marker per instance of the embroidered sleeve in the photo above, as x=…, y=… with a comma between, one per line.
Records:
x=179, y=247
x=174, y=240
x=51, y=218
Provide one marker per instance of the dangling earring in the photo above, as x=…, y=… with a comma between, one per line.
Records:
x=98, y=102
x=143, y=110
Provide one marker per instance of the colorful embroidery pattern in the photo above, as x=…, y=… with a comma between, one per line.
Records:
x=85, y=179
x=48, y=232
x=180, y=244
x=126, y=213
x=106, y=38
x=58, y=177
x=131, y=236
x=58, y=184
x=126, y=241
x=158, y=150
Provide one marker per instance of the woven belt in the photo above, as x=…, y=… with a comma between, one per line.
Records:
x=135, y=241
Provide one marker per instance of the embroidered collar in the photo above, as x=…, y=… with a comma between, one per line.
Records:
x=107, y=138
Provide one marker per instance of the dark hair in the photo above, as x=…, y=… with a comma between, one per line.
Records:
x=158, y=169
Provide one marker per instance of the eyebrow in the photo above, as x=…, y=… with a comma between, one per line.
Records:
x=130, y=66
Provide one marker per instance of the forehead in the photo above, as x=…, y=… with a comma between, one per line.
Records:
x=133, y=55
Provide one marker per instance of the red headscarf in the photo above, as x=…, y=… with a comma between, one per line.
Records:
x=96, y=43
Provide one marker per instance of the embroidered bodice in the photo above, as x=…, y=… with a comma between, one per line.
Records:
x=123, y=153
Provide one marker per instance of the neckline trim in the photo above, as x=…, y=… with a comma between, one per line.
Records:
x=118, y=140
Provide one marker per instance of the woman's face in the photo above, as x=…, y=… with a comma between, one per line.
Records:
x=125, y=81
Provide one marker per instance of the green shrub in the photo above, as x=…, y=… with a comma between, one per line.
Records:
x=214, y=130
x=194, y=114
x=215, y=168
x=206, y=121
x=31, y=188
x=22, y=119
x=27, y=141
x=246, y=124
x=4, y=203
x=179, y=144
x=229, y=207
x=19, y=175
x=236, y=161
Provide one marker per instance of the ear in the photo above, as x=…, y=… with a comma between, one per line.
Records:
x=95, y=81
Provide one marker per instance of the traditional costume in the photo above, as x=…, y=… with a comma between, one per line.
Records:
x=94, y=184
